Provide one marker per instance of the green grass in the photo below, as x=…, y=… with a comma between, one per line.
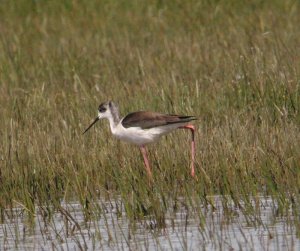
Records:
x=234, y=65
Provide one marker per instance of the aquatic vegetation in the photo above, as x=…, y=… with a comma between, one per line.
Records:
x=233, y=65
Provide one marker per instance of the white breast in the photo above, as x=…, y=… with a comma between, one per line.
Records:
x=139, y=136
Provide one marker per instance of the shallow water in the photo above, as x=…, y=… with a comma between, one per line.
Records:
x=209, y=229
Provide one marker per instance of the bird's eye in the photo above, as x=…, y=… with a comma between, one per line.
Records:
x=102, y=109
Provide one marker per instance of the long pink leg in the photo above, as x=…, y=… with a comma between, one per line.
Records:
x=146, y=161
x=192, y=128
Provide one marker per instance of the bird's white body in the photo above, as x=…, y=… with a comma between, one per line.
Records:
x=139, y=136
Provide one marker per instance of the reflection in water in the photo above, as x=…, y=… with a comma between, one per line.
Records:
x=205, y=229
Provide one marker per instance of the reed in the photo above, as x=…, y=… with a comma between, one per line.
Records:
x=233, y=65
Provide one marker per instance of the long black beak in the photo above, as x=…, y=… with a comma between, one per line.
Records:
x=96, y=119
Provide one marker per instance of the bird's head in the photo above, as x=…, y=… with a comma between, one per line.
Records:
x=105, y=110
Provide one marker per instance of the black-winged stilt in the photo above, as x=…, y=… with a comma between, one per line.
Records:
x=143, y=127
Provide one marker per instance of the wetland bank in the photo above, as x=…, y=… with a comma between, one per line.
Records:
x=233, y=65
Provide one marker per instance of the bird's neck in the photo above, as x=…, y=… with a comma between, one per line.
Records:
x=114, y=119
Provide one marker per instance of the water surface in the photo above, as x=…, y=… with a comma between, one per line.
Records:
x=185, y=229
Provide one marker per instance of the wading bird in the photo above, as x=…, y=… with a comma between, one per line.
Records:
x=143, y=127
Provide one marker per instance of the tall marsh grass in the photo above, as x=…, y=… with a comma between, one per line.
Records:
x=232, y=64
